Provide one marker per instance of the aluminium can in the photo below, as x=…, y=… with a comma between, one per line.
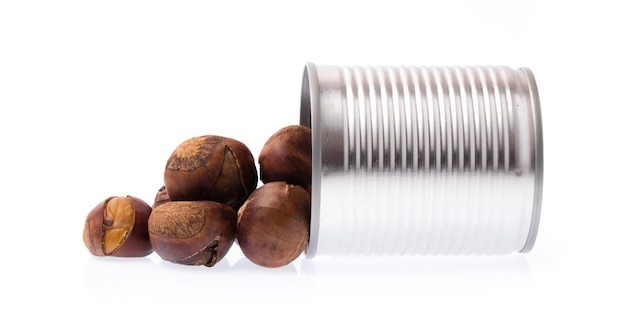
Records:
x=420, y=160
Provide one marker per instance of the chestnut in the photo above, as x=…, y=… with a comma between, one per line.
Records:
x=286, y=156
x=273, y=224
x=161, y=197
x=212, y=168
x=118, y=226
x=192, y=232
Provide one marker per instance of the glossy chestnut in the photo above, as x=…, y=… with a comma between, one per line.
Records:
x=286, y=156
x=273, y=224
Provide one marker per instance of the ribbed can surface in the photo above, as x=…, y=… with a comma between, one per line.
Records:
x=423, y=160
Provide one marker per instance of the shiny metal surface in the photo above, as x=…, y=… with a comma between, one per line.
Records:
x=423, y=160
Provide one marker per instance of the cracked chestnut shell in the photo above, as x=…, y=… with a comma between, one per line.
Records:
x=273, y=224
x=192, y=232
x=213, y=168
x=118, y=226
x=286, y=156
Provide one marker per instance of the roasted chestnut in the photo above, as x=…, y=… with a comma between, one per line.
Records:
x=192, y=232
x=118, y=226
x=273, y=224
x=212, y=168
x=286, y=156
x=161, y=197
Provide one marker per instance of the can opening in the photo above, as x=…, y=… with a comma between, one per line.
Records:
x=309, y=116
x=305, y=100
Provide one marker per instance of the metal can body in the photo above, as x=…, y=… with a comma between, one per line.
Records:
x=423, y=160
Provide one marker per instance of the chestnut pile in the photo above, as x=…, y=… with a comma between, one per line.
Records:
x=210, y=199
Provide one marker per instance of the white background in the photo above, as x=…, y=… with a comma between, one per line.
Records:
x=94, y=96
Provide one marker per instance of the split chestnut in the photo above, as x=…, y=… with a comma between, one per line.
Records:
x=192, y=232
x=118, y=226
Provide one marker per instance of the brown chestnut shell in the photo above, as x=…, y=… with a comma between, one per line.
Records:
x=273, y=224
x=161, y=197
x=211, y=167
x=103, y=237
x=192, y=232
x=286, y=156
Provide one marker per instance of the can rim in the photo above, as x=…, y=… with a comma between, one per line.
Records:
x=309, y=116
x=538, y=193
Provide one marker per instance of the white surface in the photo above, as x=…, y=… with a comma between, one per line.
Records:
x=94, y=97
